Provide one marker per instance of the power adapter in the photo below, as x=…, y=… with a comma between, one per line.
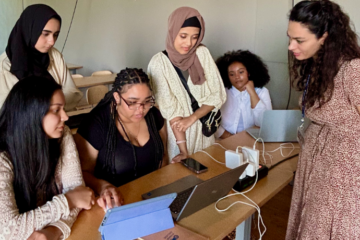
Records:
x=233, y=159
x=251, y=155
x=241, y=184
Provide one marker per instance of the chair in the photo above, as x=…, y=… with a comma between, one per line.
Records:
x=101, y=73
x=96, y=93
x=77, y=76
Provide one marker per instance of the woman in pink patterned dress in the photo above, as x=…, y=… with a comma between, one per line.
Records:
x=326, y=67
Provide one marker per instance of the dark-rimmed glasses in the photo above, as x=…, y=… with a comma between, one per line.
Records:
x=135, y=106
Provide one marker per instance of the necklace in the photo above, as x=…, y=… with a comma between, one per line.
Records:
x=132, y=135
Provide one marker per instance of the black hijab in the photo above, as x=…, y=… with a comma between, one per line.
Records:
x=25, y=59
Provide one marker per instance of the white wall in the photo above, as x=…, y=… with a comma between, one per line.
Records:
x=114, y=34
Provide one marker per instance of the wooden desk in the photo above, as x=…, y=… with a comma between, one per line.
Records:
x=94, y=80
x=73, y=67
x=208, y=221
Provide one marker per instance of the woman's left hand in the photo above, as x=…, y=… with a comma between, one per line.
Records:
x=179, y=157
x=250, y=86
x=183, y=124
x=47, y=233
x=110, y=197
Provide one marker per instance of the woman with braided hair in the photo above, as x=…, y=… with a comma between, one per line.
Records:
x=325, y=65
x=123, y=138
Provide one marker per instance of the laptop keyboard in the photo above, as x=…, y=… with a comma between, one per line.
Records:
x=180, y=200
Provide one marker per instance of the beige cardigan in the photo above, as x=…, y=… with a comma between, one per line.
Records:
x=15, y=226
x=57, y=69
x=174, y=101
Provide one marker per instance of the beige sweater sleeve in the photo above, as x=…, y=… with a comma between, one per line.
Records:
x=7, y=79
x=70, y=174
x=58, y=71
x=169, y=94
x=14, y=225
x=212, y=91
x=61, y=74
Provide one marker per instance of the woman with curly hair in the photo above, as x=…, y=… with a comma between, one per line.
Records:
x=325, y=65
x=244, y=75
x=123, y=138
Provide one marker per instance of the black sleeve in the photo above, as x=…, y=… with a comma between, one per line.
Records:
x=94, y=127
x=159, y=120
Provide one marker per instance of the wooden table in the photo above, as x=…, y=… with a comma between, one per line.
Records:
x=73, y=67
x=208, y=221
x=94, y=80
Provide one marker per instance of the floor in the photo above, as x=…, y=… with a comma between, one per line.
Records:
x=275, y=214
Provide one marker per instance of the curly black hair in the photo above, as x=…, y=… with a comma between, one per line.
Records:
x=340, y=45
x=253, y=63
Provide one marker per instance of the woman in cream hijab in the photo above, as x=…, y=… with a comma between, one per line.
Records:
x=185, y=57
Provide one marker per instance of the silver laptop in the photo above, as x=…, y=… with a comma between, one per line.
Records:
x=195, y=194
x=278, y=126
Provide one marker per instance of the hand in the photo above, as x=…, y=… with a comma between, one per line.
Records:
x=183, y=124
x=80, y=197
x=48, y=233
x=250, y=86
x=179, y=157
x=226, y=134
x=110, y=197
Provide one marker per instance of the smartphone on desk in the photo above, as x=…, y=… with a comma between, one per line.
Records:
x=194, y=165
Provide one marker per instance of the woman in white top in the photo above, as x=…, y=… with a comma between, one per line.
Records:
x=186, y=30
x=244, y=75
x=30, y=52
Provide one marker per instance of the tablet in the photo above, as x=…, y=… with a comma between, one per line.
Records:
x=138, y=219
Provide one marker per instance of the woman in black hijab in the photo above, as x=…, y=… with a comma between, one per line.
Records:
x=30, y=52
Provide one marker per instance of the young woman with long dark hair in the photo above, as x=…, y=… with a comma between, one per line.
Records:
x=30, y=52
x=123, y=138
x=325, y=65
x=41, y=185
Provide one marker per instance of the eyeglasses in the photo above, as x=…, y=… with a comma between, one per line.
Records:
x=135, y=105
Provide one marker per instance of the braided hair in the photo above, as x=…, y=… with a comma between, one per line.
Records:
x=126, y=77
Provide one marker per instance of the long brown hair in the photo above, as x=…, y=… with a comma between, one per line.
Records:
x=339, y=46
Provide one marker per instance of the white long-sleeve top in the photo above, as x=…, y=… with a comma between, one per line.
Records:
x=57, y=69
x=237, y=114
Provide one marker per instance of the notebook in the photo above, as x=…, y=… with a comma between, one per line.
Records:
x=194, y=194
x=278, y=126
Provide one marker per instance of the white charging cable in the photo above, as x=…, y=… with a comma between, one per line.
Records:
x=281, y=148
x=284, y=146
x=211, y=157
x=220, y=146
x=252, y=204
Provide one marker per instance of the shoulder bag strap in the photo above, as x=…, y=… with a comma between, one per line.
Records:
x=194, y=103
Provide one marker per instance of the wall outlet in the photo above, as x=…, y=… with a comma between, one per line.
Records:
x=251, y=155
